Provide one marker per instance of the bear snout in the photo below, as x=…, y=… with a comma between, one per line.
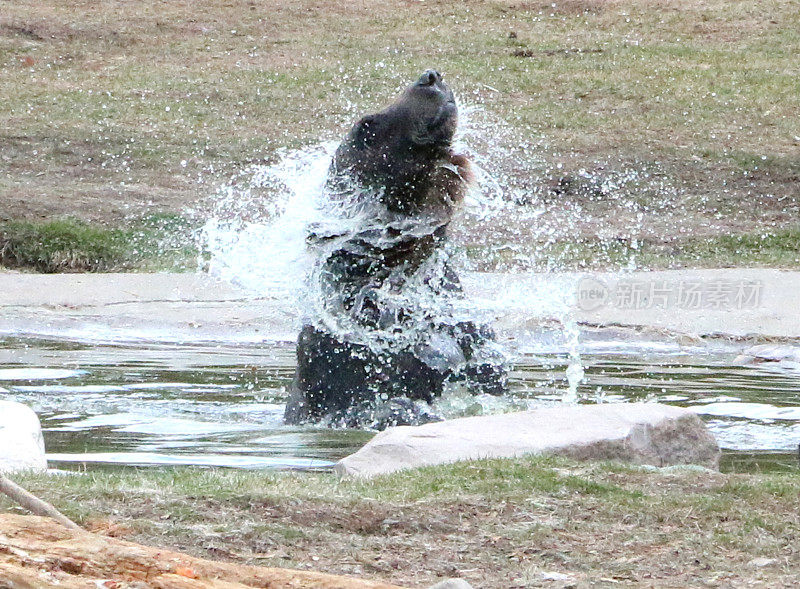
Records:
x=429, y=78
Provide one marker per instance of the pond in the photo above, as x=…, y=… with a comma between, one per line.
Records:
x=149, y=403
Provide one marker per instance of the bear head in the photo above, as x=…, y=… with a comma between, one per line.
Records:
x=396, y=152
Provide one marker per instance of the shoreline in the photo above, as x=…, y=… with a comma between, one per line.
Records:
x=195, y=307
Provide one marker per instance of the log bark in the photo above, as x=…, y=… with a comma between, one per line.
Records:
x=37, y=552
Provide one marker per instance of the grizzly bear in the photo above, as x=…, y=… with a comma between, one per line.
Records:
x=383, y=341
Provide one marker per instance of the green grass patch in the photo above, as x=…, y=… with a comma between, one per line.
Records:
x=774, y=248
x=59, y=246
x=489, y=478
x=72, y=245
x=769, y=248
x=492, y=479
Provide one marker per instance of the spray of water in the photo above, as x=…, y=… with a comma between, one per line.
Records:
x=256, y=234
x=258, y=238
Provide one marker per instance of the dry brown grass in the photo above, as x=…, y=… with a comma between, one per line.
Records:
x=499, y=524
x=115, y=108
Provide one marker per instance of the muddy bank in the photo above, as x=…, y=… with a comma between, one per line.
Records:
x=735, y=303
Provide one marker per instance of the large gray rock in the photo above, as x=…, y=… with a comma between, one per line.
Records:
x=21, y=442
x=641, y=433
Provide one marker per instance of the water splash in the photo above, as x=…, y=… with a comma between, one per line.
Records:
x=256, y=235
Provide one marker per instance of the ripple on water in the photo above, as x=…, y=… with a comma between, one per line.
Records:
x=38, y=373
x=221, y=404
x=749, y=436
x=216, y=460
x=753, y=411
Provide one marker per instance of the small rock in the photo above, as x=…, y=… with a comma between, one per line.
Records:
x=20, y=438
x=762, y=562
x=452, y=584
x=554, y=576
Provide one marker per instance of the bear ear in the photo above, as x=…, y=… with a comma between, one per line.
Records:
x=365, y=133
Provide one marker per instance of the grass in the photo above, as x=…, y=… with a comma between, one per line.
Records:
x=497, y=523
x=115, y=110
x=777, y=248
x=168, y=243
x=71, y=245
x=65, y=245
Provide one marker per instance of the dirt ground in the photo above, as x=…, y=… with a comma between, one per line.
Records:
x=617, y=120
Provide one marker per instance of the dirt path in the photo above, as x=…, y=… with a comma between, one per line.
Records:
x=737, y=303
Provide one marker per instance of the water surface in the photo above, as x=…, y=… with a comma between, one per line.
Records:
x=157, y=403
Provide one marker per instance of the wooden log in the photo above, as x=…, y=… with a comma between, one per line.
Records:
x=38, y=552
